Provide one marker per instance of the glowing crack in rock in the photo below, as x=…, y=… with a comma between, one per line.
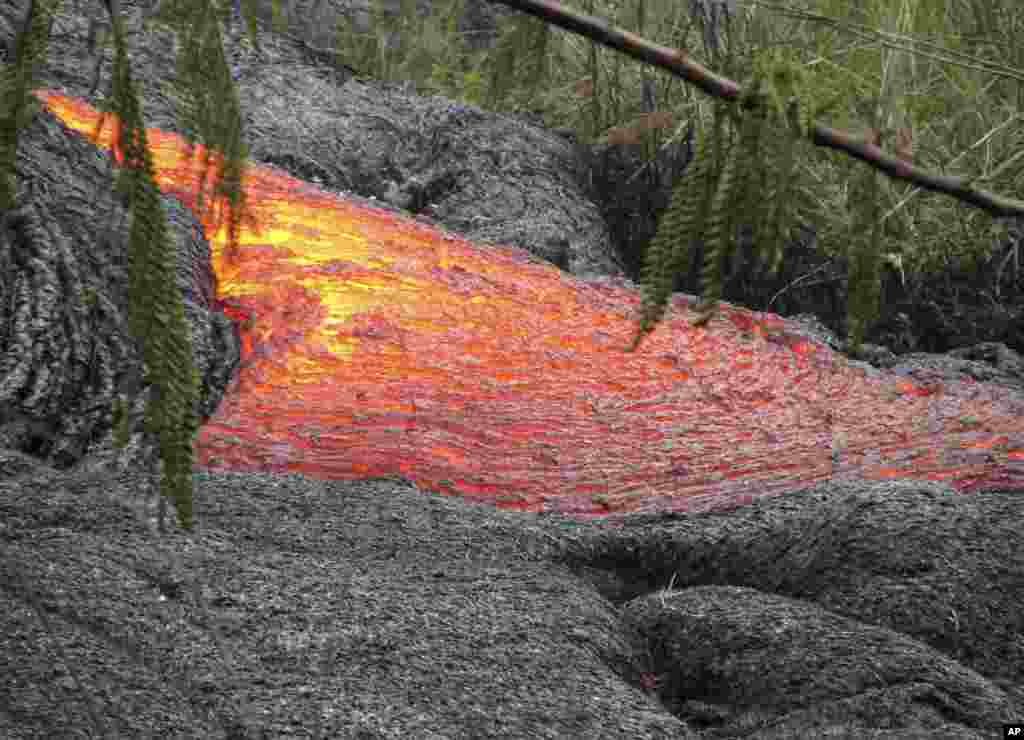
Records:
x=376, y=345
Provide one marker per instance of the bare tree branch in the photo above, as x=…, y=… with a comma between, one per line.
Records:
x=678, y=63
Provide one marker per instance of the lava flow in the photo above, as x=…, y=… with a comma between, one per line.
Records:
x=375, y=345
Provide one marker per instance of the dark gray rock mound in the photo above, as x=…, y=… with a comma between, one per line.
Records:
x=849, y=607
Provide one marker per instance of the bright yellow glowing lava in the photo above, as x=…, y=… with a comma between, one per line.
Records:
x=381, y=346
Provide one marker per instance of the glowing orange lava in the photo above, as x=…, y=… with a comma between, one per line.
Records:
x=381, y=346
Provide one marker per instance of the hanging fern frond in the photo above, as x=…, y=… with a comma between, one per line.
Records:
x=777, y=105
x=209, y=112
x=753, y=130
x=669, y=252
x=718, y=242
x=865, y=255
x=16, y=103
x=156, y=316
x=782, y=174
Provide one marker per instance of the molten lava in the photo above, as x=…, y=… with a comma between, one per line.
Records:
x=375, y=345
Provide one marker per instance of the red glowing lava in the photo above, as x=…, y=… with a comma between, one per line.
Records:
x=377, y=345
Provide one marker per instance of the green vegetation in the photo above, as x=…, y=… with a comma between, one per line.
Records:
x=903, y=74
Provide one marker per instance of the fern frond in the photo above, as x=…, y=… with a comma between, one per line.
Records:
x=865, y=256
x=782, y=173
x=753, y=129
x=209, y=112
x=156, y=315
x=16, y=103
x=718, y=243
x=670, y=250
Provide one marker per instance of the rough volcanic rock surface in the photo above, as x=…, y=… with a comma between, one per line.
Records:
x=306, y=608
x=986, y=362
